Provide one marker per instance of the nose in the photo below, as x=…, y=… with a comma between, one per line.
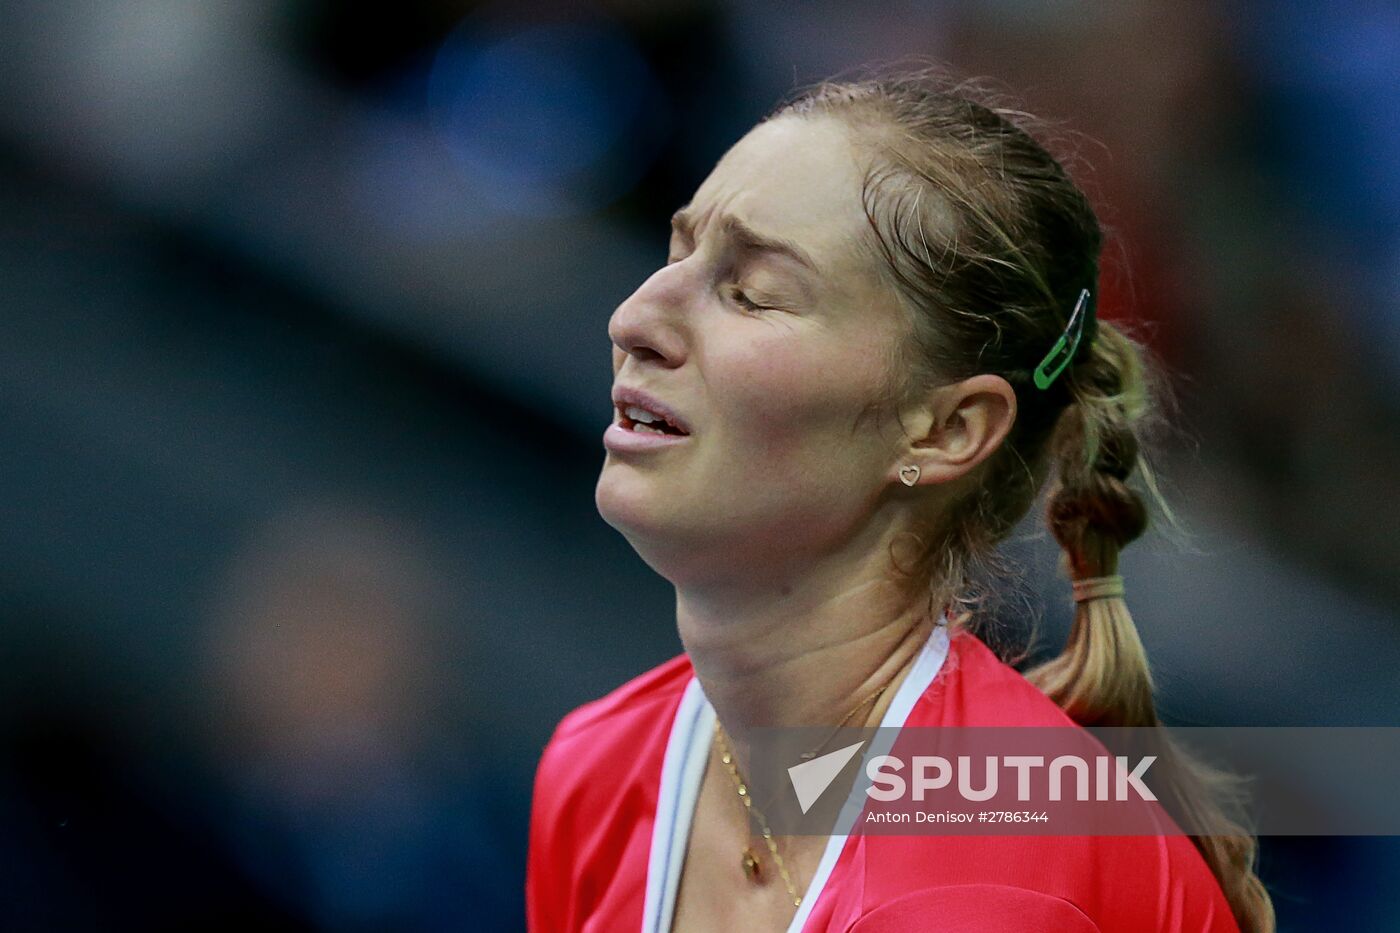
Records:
x=649, y=324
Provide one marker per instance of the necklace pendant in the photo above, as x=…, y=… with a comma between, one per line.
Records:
x=752, y=869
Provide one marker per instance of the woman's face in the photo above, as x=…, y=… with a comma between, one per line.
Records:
x=771, y=359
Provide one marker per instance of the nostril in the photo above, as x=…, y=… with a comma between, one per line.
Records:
x=645, y=353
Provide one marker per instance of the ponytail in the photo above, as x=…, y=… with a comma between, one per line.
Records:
x=1102, y=677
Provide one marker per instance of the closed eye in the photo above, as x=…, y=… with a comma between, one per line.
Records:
x=746, y=302
x=740, y=298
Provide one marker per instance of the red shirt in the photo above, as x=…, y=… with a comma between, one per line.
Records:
x=616, y=786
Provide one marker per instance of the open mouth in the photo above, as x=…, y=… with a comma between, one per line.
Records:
x=645, y=422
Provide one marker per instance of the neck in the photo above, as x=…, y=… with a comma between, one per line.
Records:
x=798, y=657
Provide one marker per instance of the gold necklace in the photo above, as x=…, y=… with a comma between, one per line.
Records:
x=748, y=860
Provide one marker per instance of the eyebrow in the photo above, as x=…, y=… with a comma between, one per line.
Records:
x=745, y=237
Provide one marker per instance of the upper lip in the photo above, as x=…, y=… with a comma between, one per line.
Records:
x=623, y=396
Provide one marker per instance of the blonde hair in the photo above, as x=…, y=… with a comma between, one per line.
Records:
x=986, y=241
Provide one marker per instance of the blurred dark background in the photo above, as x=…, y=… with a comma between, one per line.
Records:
x=304, y=370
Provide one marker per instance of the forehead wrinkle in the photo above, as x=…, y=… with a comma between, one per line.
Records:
x=746, y=238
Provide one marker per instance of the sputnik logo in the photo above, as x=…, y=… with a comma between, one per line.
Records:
x=811, y=778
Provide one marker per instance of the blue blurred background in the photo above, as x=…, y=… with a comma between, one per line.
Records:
x=304, y=371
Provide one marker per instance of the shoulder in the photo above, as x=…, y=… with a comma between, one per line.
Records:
x=1117, y=882
x=974, y=687
x=637, y=700
x=595, y=789
x=619, y=736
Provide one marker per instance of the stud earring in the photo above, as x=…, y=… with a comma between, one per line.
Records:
x=909, y=475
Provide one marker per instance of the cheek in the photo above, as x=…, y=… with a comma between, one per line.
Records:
x=789, y=399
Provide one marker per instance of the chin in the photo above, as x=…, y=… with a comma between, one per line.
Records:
x=649, y=522
x=622, y=500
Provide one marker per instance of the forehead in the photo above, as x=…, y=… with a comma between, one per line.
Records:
x=796, y=178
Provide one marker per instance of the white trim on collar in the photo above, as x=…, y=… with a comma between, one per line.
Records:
x=681, y=773
x=687, y=753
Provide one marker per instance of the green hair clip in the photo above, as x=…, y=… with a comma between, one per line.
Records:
x=1063, y=351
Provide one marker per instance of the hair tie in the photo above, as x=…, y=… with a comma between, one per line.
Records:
x=1097, y=587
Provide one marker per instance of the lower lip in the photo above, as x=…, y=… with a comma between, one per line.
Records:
x=616, y=437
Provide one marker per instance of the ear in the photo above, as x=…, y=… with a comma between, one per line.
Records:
x=959, y=426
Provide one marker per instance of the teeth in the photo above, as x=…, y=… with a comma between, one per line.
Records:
x=646, y=429
x=642, y=415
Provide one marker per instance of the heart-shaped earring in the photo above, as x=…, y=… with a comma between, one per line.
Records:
x=909, y=475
